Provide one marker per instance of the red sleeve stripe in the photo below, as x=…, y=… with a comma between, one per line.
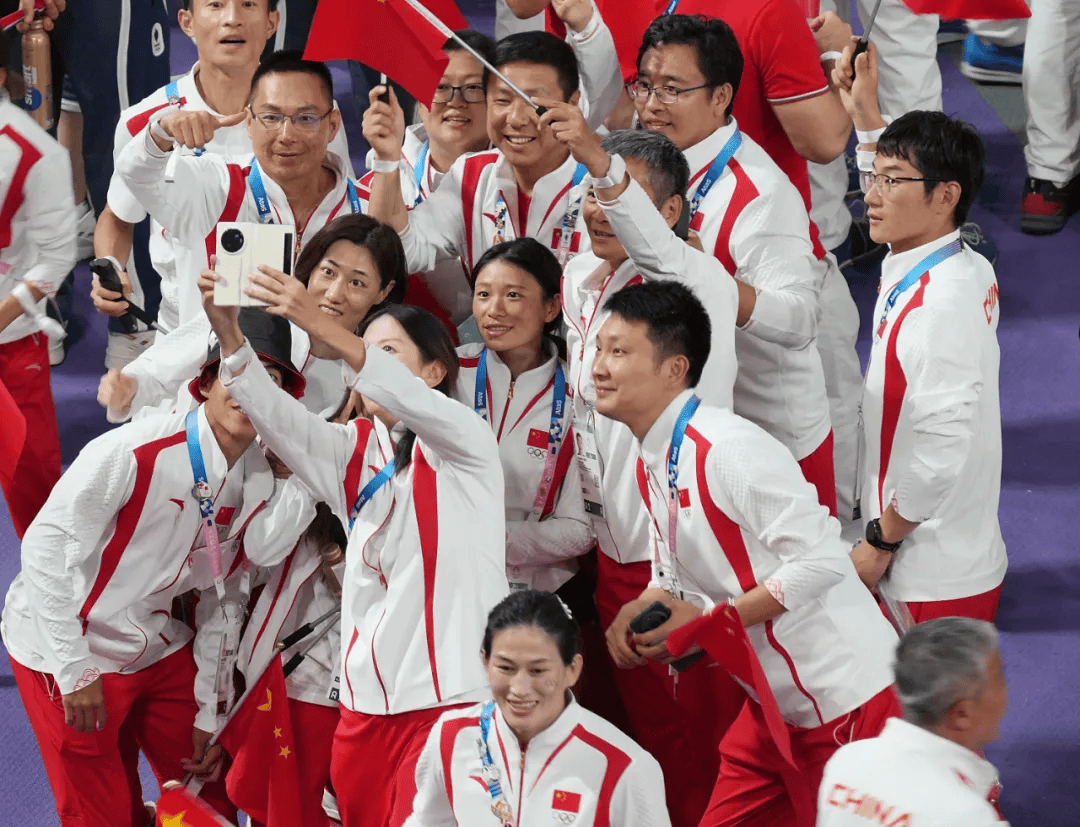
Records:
x=354, y=471
x=15, y=194
x=233, y=201
x=127, y=518
x=447, y=738
x=617, y=762
x=745, y=192
x=426, y=499
x=894, y=389
x=470, y=181
x=562, y=465
x=137, y=123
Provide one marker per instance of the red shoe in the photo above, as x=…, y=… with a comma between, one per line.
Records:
x=1045, y=208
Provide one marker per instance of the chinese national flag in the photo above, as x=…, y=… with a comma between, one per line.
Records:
x=264, y=781
x=627, y=20
x=387, y=35
x=12, y=435
x=971, y=9
x=179, y=808
x=564, y=802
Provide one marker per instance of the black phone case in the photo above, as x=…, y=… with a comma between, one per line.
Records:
x=654, y=616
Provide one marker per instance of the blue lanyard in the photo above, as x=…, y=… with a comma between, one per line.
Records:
x=558, y=398
x=172, y=92
x=676, y=445
x=370, y=490
x=716, y=169
x=916, y=272
x=262, y=202
x=489, y=771
x=674, y=4
x=418, y=171
x=566, y=233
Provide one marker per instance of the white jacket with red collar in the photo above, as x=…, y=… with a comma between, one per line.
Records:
x=747, y=516
x=209, y=189
x=425, y=562
x=541, y=551
x=581, y=770
x=655, y=252
x=754, y=222
x=120, y=537
x=907, y=777
x=932, y=424
x=37, y=211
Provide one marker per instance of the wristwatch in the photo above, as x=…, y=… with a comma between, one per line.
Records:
x=874, y=538
x=615, y=175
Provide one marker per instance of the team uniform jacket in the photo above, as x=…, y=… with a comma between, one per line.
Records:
x=209, y=189
x=540, y=553
x=120, y=537
x=747, y=516
x=37, y=211
x=425, y=561
x=907, y=777
x=932, y=425
x=164, y=370
x=655, y=252
x=171, y=259
x=755, y=224
x=580, y=770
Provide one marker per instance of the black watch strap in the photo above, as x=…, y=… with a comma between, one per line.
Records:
x=874, y=538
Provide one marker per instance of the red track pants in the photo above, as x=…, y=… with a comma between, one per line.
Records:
x=95, y=776
x=978, y=607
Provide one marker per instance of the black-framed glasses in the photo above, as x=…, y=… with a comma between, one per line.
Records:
x=885, y=183
x=641, y=90
x=304, y=121
x=470, y=93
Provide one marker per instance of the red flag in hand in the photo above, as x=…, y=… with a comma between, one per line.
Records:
x=971, y=9
x=264, y=780
x=387, y=35
x=179, y=808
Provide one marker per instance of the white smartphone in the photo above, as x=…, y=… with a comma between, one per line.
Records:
x=241, y=248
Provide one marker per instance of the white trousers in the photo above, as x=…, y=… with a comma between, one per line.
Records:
x=1052, y=90
x=838, y=328
x=909, y=77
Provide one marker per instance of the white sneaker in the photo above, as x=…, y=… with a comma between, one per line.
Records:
x=123, y=348
x=84, y=232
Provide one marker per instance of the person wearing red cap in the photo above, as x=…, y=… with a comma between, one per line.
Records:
x=145, y=513
x=735, y=522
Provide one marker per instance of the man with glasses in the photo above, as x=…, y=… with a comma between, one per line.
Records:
x=931, y=474
x=752, y=219
x=293, y=178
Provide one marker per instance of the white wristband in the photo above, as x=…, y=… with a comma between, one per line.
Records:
x=157, y=129
x=831, y=55
x=384, y=166
x=870, y=137
x=50, y=327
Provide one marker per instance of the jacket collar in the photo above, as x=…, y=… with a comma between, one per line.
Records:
x=654, y=448
x=896, y=265
x=544, y=743
x=972, y=770
x=701, y=155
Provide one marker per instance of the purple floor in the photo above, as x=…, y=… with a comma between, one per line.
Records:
x=1039, y=749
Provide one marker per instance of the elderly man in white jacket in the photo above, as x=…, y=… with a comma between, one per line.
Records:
x=925, y=768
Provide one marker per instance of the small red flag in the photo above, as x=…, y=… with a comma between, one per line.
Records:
x=179, y=808
x=12, y=435
x=537, y=438
x=565, y=802
x=263, y=780
x=627, y=22
x=387, y=35
x=971, y=9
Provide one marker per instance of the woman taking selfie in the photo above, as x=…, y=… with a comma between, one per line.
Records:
x=420, y=488
x=516, y=381
x=542, y=757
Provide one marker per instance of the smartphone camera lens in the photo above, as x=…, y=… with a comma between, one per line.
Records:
x=232, y=241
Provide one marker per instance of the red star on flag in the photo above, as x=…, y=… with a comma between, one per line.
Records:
x=565, y=802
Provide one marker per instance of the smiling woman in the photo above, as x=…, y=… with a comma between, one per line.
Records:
x=542, y=755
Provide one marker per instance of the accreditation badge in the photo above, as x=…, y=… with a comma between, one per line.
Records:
x=588, y=458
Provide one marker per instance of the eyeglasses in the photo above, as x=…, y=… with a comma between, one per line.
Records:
x=885, y=183
x=304, y=121
x=640, y=90
x=473, y=93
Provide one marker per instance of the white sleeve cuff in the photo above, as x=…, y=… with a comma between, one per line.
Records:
x=235, y=362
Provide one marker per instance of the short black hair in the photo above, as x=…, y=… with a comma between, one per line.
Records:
x=719, y=57
x=186, y=4
x=544, y=49
x=480, y=43
x=669, y=172
x=545, y=611
x=292, y=60
x=939, y=147
x=677, y=322
x=534, y=258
